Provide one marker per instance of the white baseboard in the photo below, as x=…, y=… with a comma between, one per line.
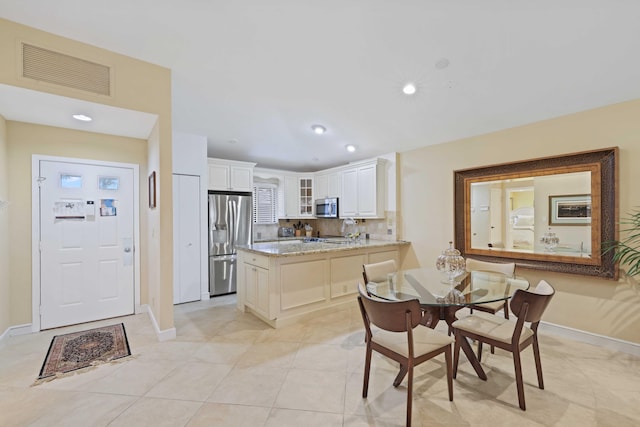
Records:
x=167, y=334
x=13, y=331
x=547, y=328
x=205, y=296
x=591, y=338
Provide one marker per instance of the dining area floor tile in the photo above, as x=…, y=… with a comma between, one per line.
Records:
x=228, y=368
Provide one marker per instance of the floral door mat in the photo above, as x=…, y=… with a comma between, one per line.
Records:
x=79, y=350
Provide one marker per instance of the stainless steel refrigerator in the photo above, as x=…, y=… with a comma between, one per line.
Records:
x=229, y=225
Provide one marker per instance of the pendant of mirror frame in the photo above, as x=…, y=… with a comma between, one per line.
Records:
x=452, y=264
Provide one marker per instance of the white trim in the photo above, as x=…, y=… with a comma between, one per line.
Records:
x=591, y=338
x=35, y=227
x=587, y=337
x=167, y=334
x=13, y=331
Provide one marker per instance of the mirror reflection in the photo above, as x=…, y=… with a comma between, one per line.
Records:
x=548, y=214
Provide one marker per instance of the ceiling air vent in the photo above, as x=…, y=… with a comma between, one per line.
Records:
x=64, y=70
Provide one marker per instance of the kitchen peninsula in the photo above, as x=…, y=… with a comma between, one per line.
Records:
x=283, y=281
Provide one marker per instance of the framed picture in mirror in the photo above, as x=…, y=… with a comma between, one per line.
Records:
x=570, y=210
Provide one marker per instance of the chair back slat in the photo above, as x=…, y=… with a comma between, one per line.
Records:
x=390, y=315
x=377, y=272
x=537, y=301
x=508, y=268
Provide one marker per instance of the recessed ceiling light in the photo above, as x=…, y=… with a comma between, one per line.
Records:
x=442, y=63
x=409, y=89
x=350, y=148
x=82, y=117
x=319, y=129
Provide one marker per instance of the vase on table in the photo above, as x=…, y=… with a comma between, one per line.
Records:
x=452, y=264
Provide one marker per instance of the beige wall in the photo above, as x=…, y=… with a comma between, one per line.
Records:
x=153, y=237
x=5, y=295
x=599, y=306
x=26, y=139
x=137, y=85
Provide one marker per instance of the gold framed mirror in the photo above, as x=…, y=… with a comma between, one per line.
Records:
x=550, y=213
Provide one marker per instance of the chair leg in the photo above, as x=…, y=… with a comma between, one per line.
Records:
x=479, y=351
x=367, y=369
x=409, y=393
x=400, y=376
x=506, y=316
x=536, y=356
x=447, y=358
x=519, y=384
x=456, y=354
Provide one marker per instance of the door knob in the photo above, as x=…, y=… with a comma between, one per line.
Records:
x=127, y=250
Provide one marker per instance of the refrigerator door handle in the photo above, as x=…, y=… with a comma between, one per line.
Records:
x=233, y=214
x=224, y=257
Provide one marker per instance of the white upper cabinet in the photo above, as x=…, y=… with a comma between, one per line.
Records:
x=298, y=196
x=327, y=184
x=228, y=175
x=363, y=190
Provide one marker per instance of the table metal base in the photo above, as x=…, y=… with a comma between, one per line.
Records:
x=431, y=317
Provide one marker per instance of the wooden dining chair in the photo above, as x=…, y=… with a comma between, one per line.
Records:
x=508, y=269
x=377, y=272
x=507, y=334
x=400, y=336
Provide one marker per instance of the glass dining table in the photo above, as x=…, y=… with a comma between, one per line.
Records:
x=440, y=299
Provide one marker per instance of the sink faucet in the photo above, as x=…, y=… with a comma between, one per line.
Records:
x=349, y=227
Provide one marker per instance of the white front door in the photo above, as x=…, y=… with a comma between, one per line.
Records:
x=86, y=242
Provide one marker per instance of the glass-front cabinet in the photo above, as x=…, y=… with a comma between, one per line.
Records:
x=306, y=196
x=298, y=196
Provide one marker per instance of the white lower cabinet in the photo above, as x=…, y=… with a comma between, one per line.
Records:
x=256, y=284
x=257, y=288
x=282, y=289
x=346, y=271
x=384, y=256
x=302, y=283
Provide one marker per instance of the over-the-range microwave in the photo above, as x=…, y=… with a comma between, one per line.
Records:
x=327, y=208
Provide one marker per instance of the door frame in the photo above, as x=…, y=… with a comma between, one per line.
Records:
x=35, y=228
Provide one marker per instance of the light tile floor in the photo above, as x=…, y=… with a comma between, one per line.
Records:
x=229, y=369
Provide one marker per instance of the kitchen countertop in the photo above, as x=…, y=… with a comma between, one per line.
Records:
x=298, y=247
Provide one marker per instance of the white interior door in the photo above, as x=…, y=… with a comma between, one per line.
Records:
x=496, y=212
x=86, y=242
x=186, y=238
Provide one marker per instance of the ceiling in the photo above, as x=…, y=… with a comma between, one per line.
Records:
x=253, y=75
